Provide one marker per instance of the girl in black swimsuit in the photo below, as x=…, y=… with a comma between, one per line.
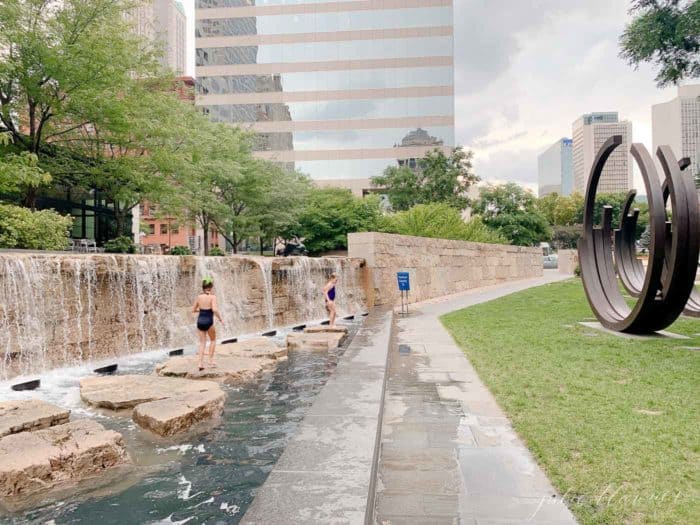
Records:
x=207, y=307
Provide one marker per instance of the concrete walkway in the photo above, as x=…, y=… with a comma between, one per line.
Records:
x=326, y=474
x=448, y=454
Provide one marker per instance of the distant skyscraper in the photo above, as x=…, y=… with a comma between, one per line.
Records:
x=677, y=123
x=171, y=30
x=589, y=133
x=555, y=169
x=331, y=86
x=163, y=22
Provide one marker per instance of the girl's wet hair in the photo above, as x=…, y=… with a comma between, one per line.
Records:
x=207, y=283
x=334, y=275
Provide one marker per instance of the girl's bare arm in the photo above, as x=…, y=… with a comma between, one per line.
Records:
x=195, y=306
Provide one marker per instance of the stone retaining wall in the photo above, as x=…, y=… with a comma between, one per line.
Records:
x=438, y=267
x=568, y=261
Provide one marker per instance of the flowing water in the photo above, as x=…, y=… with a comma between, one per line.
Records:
x=58, y=310
x=208, y=478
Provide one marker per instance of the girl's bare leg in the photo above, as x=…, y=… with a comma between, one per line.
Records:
x=212, y=344
x=331, y=308
x=202, y=347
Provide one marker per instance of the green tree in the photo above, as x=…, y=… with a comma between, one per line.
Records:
x=667, y=34
x=511, y=210
x=438, y=178
x=440, y=221
x=65, y=63
x=331, y=213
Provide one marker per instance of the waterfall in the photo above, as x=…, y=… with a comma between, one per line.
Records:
x=266, y=274
x=62, y=309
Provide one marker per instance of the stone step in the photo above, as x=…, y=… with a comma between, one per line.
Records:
x=167, y=417
x=29, y=415
x=33, y=462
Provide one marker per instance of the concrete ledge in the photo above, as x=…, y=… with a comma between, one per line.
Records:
x=326, y=473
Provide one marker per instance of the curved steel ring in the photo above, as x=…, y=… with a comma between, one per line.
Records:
x=663, y=290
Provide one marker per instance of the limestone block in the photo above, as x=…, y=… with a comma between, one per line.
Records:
x=32, y=462
x=229, y=368
x=167, y=417
x=322, y=341
x=127, y=391
x=29, y=415
x=254, y=347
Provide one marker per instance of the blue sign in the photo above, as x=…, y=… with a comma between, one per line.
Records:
x=404, y=283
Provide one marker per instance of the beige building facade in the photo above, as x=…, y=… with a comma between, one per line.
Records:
x=333, y=88
x=589, y=133
x=677, y=123
x=163, y=22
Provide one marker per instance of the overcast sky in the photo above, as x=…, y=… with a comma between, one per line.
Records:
x=525, y=70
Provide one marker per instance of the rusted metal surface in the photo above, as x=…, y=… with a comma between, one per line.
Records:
x=666, y=288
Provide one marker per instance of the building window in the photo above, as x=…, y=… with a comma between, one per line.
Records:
x=174, y=229
x=163, y=229
x=151, y=229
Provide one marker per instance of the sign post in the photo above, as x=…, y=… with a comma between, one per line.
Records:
x=404, y=288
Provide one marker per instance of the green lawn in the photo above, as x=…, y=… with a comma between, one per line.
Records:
x=614, y=422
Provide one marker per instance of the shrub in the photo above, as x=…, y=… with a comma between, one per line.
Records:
x=215, y=251
x=440, y=221
x=33, y=230
x=577, y=270
x=180, y=250
x=121, y=244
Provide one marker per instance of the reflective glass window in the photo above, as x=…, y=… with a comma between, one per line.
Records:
x=322, y=51
x=328, y=80
x=333, y=109
x=356, y=139
x=344, y=169
x=325, y=22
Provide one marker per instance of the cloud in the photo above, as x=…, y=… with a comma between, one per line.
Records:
x=526, y=70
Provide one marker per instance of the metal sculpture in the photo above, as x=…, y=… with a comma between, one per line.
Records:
x=663, y=290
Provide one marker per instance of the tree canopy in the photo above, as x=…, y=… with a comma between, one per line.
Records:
x=438, y=178
x=510, y=209
x=665, y=33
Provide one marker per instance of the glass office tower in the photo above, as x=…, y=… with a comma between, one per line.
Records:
x=335, y=89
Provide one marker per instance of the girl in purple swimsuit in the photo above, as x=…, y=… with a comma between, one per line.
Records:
x=329, y=294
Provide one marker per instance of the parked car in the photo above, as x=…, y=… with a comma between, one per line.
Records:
x=550, y=260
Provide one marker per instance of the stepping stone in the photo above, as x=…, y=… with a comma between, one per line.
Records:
x=167, y=417
x=127, y=391
x=255, y=347
x=29, y=415
x=337, y=329
x=229, y=369
x=322, y=341
x=32, y=462
x=188, y=402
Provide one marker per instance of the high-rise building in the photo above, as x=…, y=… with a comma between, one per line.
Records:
x=555, y=170
x=171, y=30
x=163, y=22
x=589, y=133
x=677, y=123
x=332, y=87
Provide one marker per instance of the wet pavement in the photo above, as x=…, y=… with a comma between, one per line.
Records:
x=326, y=472
x=448, y=454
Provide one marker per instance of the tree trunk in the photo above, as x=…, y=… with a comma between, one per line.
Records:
x=235, y=242
x=262, y=252
x=205, y=230
x=29, y=199
x=120, y=219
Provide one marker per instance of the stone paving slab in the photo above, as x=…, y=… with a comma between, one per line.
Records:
x=326, y=473
x=448, y=453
